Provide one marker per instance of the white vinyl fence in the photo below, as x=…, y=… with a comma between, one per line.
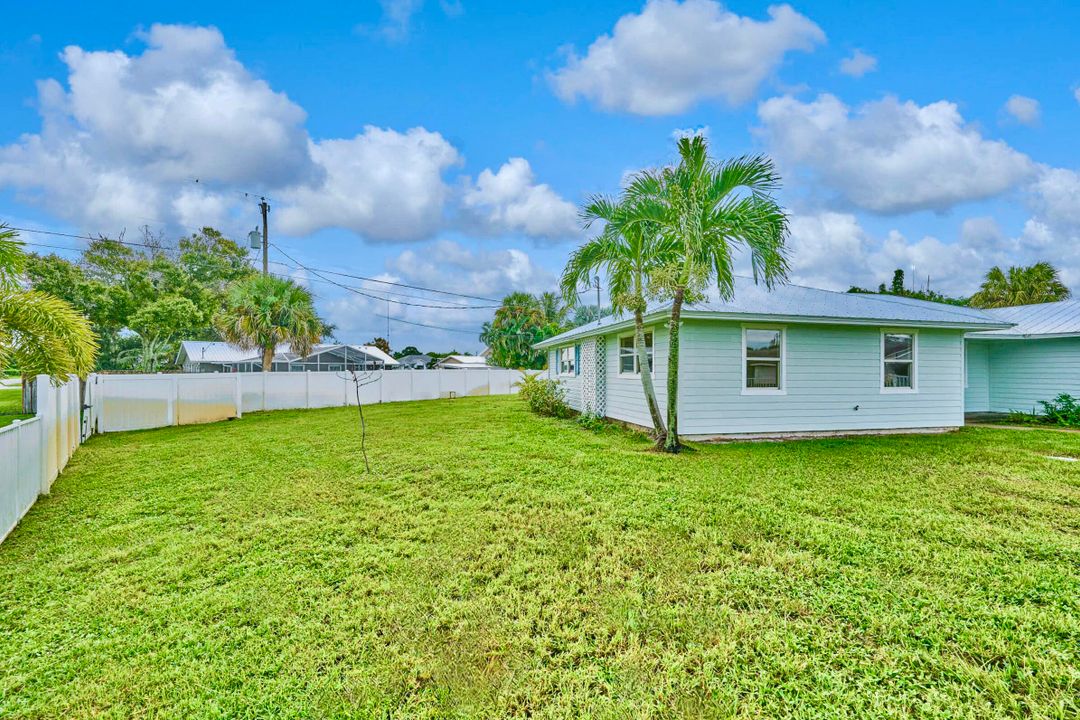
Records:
x=34, y=451
x=137, y=402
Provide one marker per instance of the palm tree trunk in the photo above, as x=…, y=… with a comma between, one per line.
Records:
x=646, y=379
x=268, y=359
x=671, y=441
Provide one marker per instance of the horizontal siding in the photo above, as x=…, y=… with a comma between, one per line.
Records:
x=571, y=384
x=829, y=371
x=625, y=397
x=1023, y=372
x=977, y=371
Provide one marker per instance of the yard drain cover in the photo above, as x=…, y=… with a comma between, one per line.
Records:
x=1059, y=457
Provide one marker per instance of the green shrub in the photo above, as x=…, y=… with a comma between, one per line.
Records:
x=1062, y=410
x=543, y=396
x=592, y=421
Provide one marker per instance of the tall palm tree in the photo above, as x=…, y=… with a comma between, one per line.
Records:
x=626, y=250
x=39, y=333
x=707, y=210
x=521, y=321
x=264, y=311
x=1038, y=283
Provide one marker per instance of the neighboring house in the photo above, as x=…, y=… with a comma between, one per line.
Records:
x=413, y=362
x=793, y=360
x=197, y=356
x=465, y=362
x=1036, y=359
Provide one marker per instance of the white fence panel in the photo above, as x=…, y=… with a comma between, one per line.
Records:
x=34, y=451
x=476, y=382
x=425, y=384
x=396, y=385
x=285, y=391
x=134, y=402
x=206, y=398
x=326, y=389
x=251, y=392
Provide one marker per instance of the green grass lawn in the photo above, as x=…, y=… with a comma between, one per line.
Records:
x=11, y=406
x=495, y=563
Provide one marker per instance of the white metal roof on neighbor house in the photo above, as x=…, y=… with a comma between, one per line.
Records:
x=466, y=360
x=223, y=352
x=1056, y=319
x=796, y=303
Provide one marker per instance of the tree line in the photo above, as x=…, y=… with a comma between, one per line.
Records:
x=1016, y=285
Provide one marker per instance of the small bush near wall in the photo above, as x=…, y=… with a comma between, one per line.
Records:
x=544, y=397
x=1062, y=410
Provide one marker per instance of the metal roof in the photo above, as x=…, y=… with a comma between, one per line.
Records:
x=1056, y=319
x=796, y=303
x=223, y=352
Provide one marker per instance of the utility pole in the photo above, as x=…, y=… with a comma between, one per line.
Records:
x=265, y=207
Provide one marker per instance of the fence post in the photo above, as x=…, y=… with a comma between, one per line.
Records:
x=307, y=389
x=264, y=373
x=239, y=397
x=174, y=401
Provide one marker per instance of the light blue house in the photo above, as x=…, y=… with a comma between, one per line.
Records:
x=794, y=360
x=1035, y=359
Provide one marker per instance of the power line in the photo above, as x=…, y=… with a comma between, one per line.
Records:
x=398, y=284
x=432, y=327
x=383, y=298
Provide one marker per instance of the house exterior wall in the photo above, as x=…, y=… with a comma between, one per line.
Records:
x=571, y=383
x=977, y=376
x=1023, y=372
x=828, y=371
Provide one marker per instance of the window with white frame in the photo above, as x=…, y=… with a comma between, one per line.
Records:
x=568, y=361
x=763, y=359
x=898, y=361
x=628, y=359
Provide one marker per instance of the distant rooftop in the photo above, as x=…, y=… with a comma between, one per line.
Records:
x=795, y=303
x=223, y=352
x=1056, y=319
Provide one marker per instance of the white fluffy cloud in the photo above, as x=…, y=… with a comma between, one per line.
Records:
x=131, y=125
x=381, y=184
x=511, y=201
x=832, y=250
x=122, y=144
x=858, y=64
x=890, y=156
x=673, y=54
x=1023, y=110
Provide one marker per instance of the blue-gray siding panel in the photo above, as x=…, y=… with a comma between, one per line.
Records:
x=1023, y=372
x=829, y=370
x=977, y=370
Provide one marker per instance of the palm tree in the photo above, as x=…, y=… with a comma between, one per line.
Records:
x=707, y=210
x=1038, y=283
x=264, y=311
x=39, y=333
x=626, y=250
x=520, y=321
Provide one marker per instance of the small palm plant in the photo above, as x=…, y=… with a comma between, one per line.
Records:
x=263, y=312
x=1038, y=283
x=39, y=333
x=707, y=210
x=626, y=250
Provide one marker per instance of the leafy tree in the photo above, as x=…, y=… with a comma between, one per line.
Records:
x=39, y=333
x=264, y=311
x=519, y=323
x=897, y=286
x=112, y=282
x=380, y=343
x=627, y=250
x=407, y=350
x=585, y=314
x=1038, y=283
x=168, y=319
x=706, y=210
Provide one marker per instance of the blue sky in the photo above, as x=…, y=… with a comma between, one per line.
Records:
x=447, y=144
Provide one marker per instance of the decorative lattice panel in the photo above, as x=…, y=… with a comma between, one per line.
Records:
x=600, y=371
x=588, y=376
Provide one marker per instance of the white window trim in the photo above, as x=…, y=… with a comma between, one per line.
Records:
x=618, y=354
x=914, y=361
x=782, y=390
x=559, y=361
